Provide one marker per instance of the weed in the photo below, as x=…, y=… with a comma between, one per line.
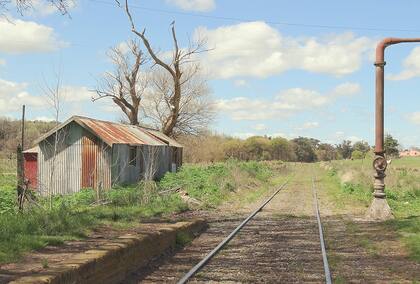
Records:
x=45, y=263
x=182, y=239
x=72, y=216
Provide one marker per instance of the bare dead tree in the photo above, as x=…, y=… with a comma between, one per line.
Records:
x=126, y=84
x=196, y=107
x=151, y=162
x=54, y=96
x=180, y=57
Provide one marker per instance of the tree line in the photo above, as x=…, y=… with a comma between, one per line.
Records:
x=10, y=133
x=208, y=147
x=213, y=148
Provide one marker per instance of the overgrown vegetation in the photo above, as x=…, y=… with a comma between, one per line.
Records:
x=354, y=179
x=215, y=148
x=72, y=216
x=10, y=135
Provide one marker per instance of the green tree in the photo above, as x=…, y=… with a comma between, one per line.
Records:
x=345, y=149
x=305, y=149
x=257, y=148
x=357, y=155
x=361, y=146
x=326, y=152
x=282, y=149
x=391, y=146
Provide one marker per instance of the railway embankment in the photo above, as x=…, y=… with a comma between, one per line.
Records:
x=103, y=259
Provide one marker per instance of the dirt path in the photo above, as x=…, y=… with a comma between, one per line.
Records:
x=281, y=245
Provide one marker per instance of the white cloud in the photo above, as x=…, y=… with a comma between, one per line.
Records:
x=259, y=127
x=194, y=5
x=45, y=8
x=414, y=117
x=44, y=118
x=243, y=135
x=346, y=89
x=18, y=36
x=259, y=50
x=411, y=66
x=284, y=104
x=309, y=125
x=13, y=95
x=73, y=94
x=240, y=83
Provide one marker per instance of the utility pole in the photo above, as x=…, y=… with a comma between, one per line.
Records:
x=20, y=165
x=379, y=209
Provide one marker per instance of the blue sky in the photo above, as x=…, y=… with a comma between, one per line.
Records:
x=273, y=69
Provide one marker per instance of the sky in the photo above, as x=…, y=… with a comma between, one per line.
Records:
x=276, y=68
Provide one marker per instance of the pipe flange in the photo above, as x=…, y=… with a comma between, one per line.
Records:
x=380, y=163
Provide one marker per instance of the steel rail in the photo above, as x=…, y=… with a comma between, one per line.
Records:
x=203, y=262
x=321, y=236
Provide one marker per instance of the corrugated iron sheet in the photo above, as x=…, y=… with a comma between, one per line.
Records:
x=115, y=133
x=163, y=137
x=31, y=168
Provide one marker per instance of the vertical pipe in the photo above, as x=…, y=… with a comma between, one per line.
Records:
x=379, y=209
x=23, y=127
x=379, y=117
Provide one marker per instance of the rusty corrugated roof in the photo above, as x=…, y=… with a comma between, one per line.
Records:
x=164, y=138
x=117, y=133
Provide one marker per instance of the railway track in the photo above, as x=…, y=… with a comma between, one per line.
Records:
x=270, y=248
x=225, y=241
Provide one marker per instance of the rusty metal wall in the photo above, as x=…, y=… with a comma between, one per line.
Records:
x=146, y=156
x=96, y=163
x=79, y=162
x=30, y=164
x=60, y=173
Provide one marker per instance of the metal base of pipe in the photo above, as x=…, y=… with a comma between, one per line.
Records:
x=379, y=210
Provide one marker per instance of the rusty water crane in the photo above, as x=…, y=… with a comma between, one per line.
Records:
x=379, y=209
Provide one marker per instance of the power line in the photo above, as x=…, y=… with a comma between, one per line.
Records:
x=235, y=19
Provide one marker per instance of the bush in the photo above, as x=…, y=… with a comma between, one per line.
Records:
x=211, y=183
x=7, y=201
x=357, y=155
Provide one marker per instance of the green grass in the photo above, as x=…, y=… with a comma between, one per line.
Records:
x=350, y=182
x=73, y=216
x=212, y=184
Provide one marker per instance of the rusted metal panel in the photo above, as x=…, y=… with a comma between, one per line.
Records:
x=116, y=133
x=60, y=173
x=109, y=132
x=89, y=159
x=96, y=165
x=31, y=169
x=169, y=141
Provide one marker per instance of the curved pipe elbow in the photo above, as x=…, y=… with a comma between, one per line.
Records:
x=380, y=48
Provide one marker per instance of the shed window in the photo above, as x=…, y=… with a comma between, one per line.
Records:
x=133, y=156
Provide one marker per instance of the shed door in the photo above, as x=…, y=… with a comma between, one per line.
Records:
x=89, y=158
x=31, y=169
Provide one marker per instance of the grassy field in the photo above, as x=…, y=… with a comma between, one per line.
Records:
x=349, y=184
x=72, y=217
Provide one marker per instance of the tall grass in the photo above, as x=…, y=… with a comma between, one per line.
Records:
x=72, y=216
x=354, y=179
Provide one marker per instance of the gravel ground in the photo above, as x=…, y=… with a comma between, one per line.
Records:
x=281, y=245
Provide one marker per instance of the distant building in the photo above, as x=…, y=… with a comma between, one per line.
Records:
x=410, y=153
x=91, y=153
